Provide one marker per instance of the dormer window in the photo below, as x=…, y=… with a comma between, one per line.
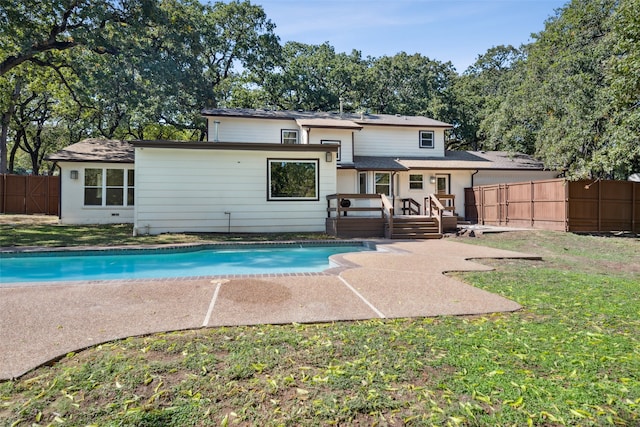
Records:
x=289, y=136
x=426, y=139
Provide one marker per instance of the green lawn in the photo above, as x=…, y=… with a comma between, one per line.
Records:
x=54, y=235
x=570, y=357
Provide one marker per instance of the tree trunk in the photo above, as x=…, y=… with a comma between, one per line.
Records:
x=4, y=124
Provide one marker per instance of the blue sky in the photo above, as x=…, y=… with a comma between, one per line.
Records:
x=444, y=30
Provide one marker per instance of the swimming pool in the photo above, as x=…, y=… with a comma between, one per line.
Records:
x=210, y=260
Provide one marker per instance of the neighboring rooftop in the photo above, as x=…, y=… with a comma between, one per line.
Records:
x=96, y=150
x=358, y=119
x=476, y=160
x=488, y=160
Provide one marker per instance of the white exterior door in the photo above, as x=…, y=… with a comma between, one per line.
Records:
x=442, y=184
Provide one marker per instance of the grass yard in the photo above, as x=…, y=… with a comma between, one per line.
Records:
x=25, y=230
x=570, y=357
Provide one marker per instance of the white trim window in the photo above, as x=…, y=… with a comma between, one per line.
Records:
x=109, y=187
x=416, y=181
x=292, y=179
x=427, y=139
x=289, y=136
x=382, y=183
x=333, y=142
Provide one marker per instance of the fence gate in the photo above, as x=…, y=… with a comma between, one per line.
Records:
x=25, y=194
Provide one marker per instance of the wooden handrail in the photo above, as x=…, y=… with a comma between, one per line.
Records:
x=413, y=208
x=387, y=212
x=435, y=206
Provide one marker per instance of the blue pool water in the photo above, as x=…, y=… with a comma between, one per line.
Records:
x=167, y=263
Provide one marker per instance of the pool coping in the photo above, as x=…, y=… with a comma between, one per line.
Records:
x=8, y=251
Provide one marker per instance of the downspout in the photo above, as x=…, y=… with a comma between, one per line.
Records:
x=392, y=189
x=59, y=191
x=472, y=175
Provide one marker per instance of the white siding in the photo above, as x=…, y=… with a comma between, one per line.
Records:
x=72, y=209
x=233, y=129
x=316, y=135
x=458, y=181
x=391, y=141
x=190, y=190
x=347, y=181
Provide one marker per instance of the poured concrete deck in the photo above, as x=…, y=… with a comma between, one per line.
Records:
x=39, y=323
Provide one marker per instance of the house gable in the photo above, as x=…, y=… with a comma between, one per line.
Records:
x=358, y=135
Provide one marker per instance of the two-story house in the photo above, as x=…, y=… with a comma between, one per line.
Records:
x=274, y=171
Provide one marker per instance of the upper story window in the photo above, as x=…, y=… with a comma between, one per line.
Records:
x=427, y=139
x=108, y=187
x=334, y=142
x=289, y=136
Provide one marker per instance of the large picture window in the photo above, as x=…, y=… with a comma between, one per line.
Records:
x=108, y=187
x=293, y=179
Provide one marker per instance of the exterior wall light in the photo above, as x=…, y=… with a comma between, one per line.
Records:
x=73, y=174
x=328, y=157
x=432, y=179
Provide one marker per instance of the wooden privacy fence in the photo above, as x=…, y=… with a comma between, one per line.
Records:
x=26, y=194
x=588, y=206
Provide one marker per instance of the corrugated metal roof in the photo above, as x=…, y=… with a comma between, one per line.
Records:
x=96, y=150
x=360, y=119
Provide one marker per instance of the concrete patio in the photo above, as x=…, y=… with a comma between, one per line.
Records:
x=40, y=323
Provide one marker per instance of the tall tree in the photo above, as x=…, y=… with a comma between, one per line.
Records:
x=128, y=69
x=410, y=84
x=621, y=154
x=554, y=108
x=313, y=77
x=480, y=91
x=31, y=28
x=35, y=32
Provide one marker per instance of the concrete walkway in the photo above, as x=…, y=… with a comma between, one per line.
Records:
x=405, y=279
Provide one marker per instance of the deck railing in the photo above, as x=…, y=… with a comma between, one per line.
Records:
x=342, y=204
x=410, y=206
x=387, y=213
x=434, y=209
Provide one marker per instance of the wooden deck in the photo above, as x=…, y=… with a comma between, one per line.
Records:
x=371, y=215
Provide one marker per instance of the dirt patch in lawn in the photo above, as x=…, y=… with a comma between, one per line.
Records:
x=11, y=219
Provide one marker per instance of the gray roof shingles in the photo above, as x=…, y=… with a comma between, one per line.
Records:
x=119, y=151
x=489, y=160
x=96, y=150
x=359, y=119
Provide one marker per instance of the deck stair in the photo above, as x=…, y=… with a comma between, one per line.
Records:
x=415, y=227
